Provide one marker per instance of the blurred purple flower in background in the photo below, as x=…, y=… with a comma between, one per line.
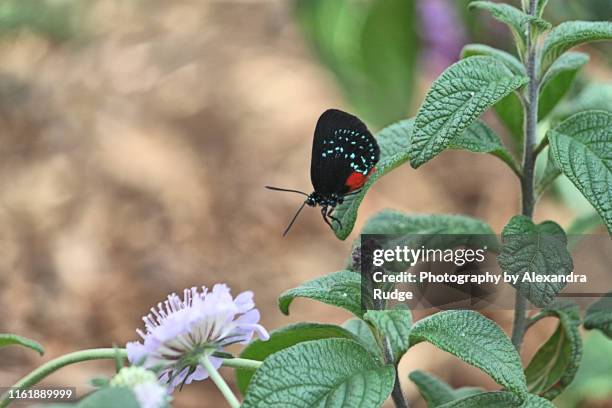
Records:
x=179, y=332
x=442, y=33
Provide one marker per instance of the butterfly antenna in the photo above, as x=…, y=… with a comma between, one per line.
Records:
x=285, y=189
x=294, y=218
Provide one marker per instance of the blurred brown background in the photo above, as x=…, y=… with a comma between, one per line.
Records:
x=135, y=141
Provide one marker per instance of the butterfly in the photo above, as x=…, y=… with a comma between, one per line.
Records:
x=344, y=156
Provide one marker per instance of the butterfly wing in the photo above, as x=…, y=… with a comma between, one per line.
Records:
x=344, y=153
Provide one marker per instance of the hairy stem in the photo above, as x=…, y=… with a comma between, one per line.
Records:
x=49, y=367
x=529, y=156
x=396, y=395
x=220, y=382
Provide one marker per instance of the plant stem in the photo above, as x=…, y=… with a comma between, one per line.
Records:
x=396, y=395
x=534, y=319
x=541, y=147
x=242, y=363
x=49, y=367
x=220, y=382
x=527, y=181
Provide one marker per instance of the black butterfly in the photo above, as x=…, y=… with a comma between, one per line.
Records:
x=344, y=154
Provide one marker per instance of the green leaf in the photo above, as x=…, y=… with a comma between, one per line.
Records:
x=456, y=99
x=534, y=401
x=555, y=364
x=110, y=397
x=581, y=147
x=570, y=34
x=55, y=21
x=393, y=222
x=551, y=172
x=558, y=80
x=433, y=231
x=517, y=21
x=342, y=289
x=539, y=249
x=509, y=109
x=595, y=96
x=283, y=338
x=479, y=138
x=436, y=392
x=599, y=315
x=594, y=378
x=499, y=399
x=8, y=339
x=362, y=331
x=332, y=373
x=584, y=224
x=395, y=326
x=476, y=340
x=485, y=400
x=394, y=143
x=508, y=59
x=353, y=39
x=390, y=46
x=105, y=398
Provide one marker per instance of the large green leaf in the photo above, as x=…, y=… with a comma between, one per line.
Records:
x=370, y=47
x=570, y=34
x=393, y=222
x=499, y=399
x=517, y=20
x=456, y=99
x=558, y=80
x=331, y=373
x=581, y=147
x=541, y=249
x=440, y=231
x=555, y=364
x=476, y=340
x=479, y=138
x=283, y=338
x=436, y=392
x=509, y=109
x=342, y=289
x=8, y=339
x=394, y=143
x=599, y=315
x=394, y=325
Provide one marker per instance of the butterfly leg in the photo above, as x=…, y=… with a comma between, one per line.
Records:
x=329, y=214
x=324, y=213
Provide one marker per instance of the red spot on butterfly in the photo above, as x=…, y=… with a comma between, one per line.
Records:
x=356, y=180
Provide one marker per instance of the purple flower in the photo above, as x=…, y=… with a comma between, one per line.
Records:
x=179, y=332
x=442, y=34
